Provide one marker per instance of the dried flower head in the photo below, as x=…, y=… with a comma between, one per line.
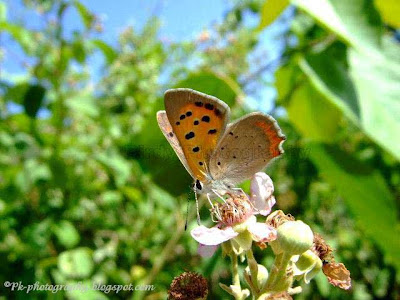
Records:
x=337, y=275
x=277, y=218
x=322, y=249
x=280, y=296
x=188, y=286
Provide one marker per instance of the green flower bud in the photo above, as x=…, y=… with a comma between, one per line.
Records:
x=294, y=238
x=308, y=264
x=262, y=276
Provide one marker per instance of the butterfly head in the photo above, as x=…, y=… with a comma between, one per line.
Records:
x=211, y=186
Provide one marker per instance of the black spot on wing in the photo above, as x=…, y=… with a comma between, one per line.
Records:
x=196, y=122
x=217, y=112
x=188, y=113
x=198, y=104
x=209, y=106
x=189, y=135
x=182, y=117
x=212, y=131
x=196, y=149
x=171, y=134
x=200, y=163
x=205, y=119
x=178, y=123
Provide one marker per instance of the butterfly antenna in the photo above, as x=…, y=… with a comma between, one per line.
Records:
x=187, y=211
x=197, y=208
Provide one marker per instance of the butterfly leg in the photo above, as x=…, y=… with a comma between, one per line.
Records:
x=209, y=201
x=219, y=196
x=214, y=210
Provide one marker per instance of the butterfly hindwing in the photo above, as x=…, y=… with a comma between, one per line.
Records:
x=246, y=148
x=198, y=121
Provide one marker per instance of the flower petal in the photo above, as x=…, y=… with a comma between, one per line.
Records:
x=212, y=236
x=261, y=232
x=206, y=250
x=261, y=191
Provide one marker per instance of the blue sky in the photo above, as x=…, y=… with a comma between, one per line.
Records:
x=180, y=20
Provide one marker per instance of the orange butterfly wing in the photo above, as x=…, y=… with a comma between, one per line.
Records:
x=198, y=121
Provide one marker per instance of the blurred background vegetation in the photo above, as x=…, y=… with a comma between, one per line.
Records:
x=90, y=189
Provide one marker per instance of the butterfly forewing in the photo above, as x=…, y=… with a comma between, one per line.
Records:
x=246, y=148
x=167, y=130
x=198, y=121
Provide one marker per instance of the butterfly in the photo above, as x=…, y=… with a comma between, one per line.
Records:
x=216, y=154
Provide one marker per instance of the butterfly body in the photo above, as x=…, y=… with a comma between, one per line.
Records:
x=216, y=154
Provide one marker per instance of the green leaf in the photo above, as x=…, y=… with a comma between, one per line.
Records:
x=118, y=166
x=377, y=82
x=23, y=36
x=33, y=99
x=77, y=263
x=356, y=22
x=271, y=10
x=369, y=94
x=390, y=11
x=66, y=234
x=89, y=294
x=83, y=104
x=86, y=16
x=3, y=12
x=328, y=73
x=109, y=53
x=308, y=111
x=213, y=84
x=365, y=193
x=17, y=92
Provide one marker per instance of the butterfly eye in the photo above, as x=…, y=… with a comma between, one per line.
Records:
x=199, y=185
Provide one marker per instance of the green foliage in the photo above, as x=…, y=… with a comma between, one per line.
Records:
x=271, y=10
x=92, y=191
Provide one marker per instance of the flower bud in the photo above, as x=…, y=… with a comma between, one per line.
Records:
x=307, y=265
x=294, y=238
x=262, y=276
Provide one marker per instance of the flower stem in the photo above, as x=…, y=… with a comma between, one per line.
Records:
x=235, y=270
x=253, y=269
x=278, y=272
